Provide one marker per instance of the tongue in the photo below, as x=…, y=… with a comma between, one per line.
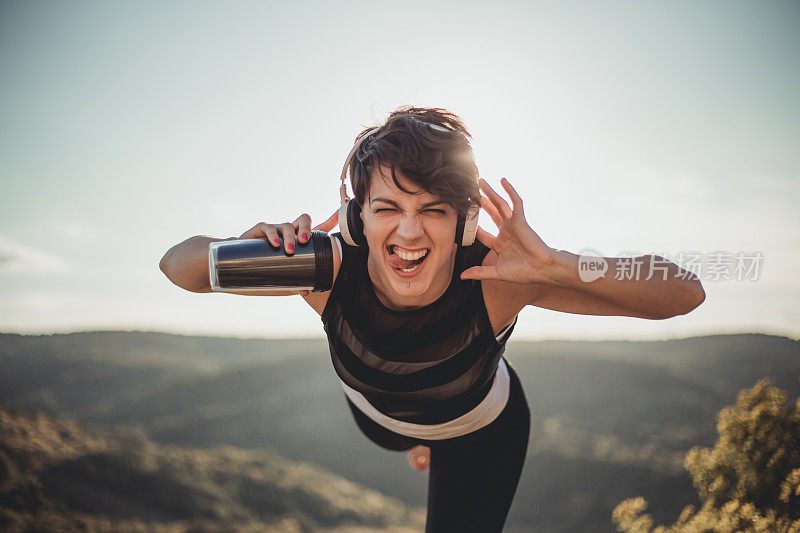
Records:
x=395, y=261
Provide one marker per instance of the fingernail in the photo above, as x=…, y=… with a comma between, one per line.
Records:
x=304, y=236
x=290, y=248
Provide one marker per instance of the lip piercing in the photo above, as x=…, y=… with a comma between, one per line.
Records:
x=408, y=283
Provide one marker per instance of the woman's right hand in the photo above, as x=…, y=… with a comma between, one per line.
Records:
x=290, y=232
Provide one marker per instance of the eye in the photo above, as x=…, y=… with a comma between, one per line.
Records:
x=435, y=211
x=383, y=209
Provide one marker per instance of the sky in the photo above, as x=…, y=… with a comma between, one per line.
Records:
x=627, y=127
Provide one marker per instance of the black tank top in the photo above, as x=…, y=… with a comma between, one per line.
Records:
x=427, y=365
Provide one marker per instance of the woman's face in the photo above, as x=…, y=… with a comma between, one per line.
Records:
x=411, y=239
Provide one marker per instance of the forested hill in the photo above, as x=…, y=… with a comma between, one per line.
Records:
x=56, y=475
x=610, y=419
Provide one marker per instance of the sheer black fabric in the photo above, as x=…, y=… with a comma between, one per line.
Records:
x=426, y=365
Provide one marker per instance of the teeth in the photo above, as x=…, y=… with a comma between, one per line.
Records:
x=409, y=256
x=412, y=269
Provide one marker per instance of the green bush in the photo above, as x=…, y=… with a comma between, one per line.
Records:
x=750, y=481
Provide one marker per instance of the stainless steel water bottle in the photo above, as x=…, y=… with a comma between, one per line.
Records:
x=244, y=265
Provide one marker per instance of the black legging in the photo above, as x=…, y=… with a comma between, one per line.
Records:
x=473, y=477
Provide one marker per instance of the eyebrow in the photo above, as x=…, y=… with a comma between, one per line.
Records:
x=392, y=202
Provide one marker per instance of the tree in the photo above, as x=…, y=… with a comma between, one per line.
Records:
x=750, y=481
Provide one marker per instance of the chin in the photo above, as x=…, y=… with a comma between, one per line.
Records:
x=418, y=286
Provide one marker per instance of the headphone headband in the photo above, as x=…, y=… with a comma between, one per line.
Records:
x=343, y=189
x=350, y=223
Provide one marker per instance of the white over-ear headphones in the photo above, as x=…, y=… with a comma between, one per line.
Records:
x=352, y=227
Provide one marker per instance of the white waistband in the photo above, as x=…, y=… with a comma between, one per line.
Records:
x=482, y=415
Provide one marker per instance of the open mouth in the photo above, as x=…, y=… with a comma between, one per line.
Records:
x=406, y=261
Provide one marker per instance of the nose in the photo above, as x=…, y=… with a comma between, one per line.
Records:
x=410, y=228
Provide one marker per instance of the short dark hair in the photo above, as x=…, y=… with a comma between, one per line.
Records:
x=439, y=162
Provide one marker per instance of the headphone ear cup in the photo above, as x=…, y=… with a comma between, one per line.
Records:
x=355, y=225
x=344, y=228
x=460, y=230
x=468, y=231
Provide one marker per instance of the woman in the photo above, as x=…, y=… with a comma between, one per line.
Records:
x=417, y=322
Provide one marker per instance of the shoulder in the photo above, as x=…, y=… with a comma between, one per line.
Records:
x=503, y=300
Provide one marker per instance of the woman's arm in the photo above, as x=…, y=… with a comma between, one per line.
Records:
x=528, y=272
x=506, y=299
x=657, y=288
x=186, y=263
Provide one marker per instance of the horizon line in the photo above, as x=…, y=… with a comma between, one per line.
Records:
x=719, y=333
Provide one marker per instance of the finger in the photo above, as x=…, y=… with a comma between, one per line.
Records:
x=271, y=233
x=497, y=200
x=516, y=200
x=489, y=207
x=486, y=238
x=480, y=272
x=255, y=232
x=418, y=462
x=303, y=226
x=330, y=223
x=288, y=232
x=263, y=230
x=252, y=233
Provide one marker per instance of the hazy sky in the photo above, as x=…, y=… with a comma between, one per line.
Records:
x=126, y=127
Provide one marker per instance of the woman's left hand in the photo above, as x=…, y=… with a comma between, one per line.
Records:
x=522, y=256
